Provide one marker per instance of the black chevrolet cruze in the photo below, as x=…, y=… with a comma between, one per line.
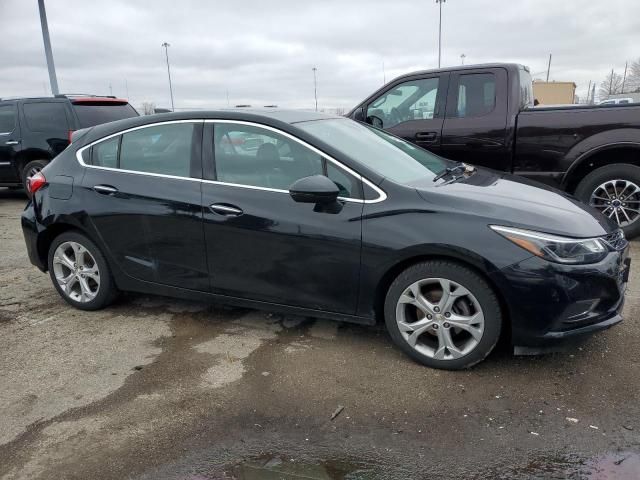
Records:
x=322, y=216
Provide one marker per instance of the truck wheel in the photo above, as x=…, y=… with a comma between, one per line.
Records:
x=443, y=315
x=615, y=191
x=29, y=170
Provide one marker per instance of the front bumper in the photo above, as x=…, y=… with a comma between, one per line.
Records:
x=550, y=301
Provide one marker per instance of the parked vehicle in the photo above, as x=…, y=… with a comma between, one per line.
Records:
x=484, y=115
x=35, y=130
x=616, y=101
x=328, y=218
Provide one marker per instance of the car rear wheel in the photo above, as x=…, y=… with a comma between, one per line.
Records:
x=29, y=170
x=443, y=315
x=615, y=191
x=80, y=273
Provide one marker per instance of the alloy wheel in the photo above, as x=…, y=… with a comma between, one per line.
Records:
x=619, y=200
x=440, y=318
x=76, y=272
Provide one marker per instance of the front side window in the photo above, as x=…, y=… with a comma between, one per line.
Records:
x=45, y=117
x=476, y=95
x=258, y=157
x=163, y=149
x=412, y=100
x=7, y=119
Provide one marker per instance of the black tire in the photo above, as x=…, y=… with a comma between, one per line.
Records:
x=29, y=169
x=621, y=171
x=106, y=292
x=463, y=276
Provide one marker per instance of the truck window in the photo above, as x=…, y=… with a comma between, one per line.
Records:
x=7, y=119
x=476, y=95
x=45, y=116
x=90, y=114
x=412, y=100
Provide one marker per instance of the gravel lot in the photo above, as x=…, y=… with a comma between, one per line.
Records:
x=156, y=388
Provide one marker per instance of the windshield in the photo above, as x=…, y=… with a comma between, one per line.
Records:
x=91, y=114
x=387, y=155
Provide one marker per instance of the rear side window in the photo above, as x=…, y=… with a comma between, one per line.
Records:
x=45, y=117
x=105, y=154
x=91, y=114
x=476, y=94
x=164, y=149
x=7, y=119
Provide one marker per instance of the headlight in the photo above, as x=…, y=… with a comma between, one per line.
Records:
x=555, y=248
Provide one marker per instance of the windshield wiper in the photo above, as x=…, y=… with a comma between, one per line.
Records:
x=457, y=168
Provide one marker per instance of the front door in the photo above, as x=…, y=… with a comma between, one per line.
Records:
x=412, y=109
x=261, y=244
x=142, y=191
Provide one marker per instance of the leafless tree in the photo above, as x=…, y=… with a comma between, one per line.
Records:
x=148, y=108
x=611, y=85
x=633, y=78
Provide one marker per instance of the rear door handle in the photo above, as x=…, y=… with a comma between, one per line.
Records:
x=12, y=142
x=226, y=210
x=426, y=137
x=105, y=189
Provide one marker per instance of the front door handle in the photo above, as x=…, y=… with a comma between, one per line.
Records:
x=12, y=142
x=105, y=189
x=226, y=210
x=426, y=137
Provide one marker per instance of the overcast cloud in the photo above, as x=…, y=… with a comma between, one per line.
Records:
x=262, y=52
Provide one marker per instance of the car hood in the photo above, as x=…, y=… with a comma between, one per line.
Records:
x=505, y=199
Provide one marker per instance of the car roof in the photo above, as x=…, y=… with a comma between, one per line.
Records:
x=457, y=68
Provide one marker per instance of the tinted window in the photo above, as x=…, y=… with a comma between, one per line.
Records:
x=105, y=154
x=258, y=157
x=7, y=118
x=348, y=185
x=412, y=100
x=90, y=114
x=45, y=117
x=164, y=149
x=476, y=94
x=390, y=156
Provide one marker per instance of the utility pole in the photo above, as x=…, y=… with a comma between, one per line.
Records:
x=462, y=57
x=110, y=89
x=549, y=68
x=166, y=52
x=228, y=104
x=384, y=75
x=47, y=49
x=315, y=86
x=611, y=82
x=588, y=92
x=624, y=77
x=440, y=2
x=593, y=93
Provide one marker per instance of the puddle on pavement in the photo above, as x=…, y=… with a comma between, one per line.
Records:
x=609, y=466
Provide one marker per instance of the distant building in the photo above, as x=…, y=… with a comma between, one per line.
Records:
x=554, y=93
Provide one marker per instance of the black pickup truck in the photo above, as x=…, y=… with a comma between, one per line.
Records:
x=484, y=115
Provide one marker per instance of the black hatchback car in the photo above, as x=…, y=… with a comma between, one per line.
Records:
x=35, y=130
x=323, y=216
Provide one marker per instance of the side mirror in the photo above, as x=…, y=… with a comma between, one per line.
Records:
x=375, y=121
x=358, y=115
x=314, y=189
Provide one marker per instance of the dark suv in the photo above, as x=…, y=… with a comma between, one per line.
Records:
x=34, y=130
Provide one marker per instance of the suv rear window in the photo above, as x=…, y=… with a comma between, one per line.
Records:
x=45, y=116
x=91, y=114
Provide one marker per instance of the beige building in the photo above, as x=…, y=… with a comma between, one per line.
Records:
x=554, y=93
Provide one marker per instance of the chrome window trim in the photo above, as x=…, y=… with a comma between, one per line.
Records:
x=381, y=193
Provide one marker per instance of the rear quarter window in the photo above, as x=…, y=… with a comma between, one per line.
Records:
x=91, y=114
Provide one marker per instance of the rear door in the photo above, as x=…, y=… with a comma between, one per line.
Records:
x=46, y=125
x=474, y=129
x=142, y=193
x=412, y=108
x=9, y=143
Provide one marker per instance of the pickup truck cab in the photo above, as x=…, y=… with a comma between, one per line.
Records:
x=484, y=115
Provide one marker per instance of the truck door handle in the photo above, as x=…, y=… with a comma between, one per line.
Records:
x=105, y=189
x=426, y=137
x=12, y=142
x=226, y=210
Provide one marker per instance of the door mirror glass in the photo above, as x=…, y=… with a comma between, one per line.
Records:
x=314, y=189
x=375, y=121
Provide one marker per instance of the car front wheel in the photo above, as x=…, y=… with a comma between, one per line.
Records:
x=80, y=273
x=443, y=315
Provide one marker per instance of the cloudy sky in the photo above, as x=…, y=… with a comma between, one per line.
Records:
x=262, y=52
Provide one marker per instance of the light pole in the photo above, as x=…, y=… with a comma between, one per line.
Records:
x=47, y=49
x=315, y=87
x=166, y=52
x=462, y=57
x=440, y=2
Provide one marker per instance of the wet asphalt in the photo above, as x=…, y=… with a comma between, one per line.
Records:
x=156, y=388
